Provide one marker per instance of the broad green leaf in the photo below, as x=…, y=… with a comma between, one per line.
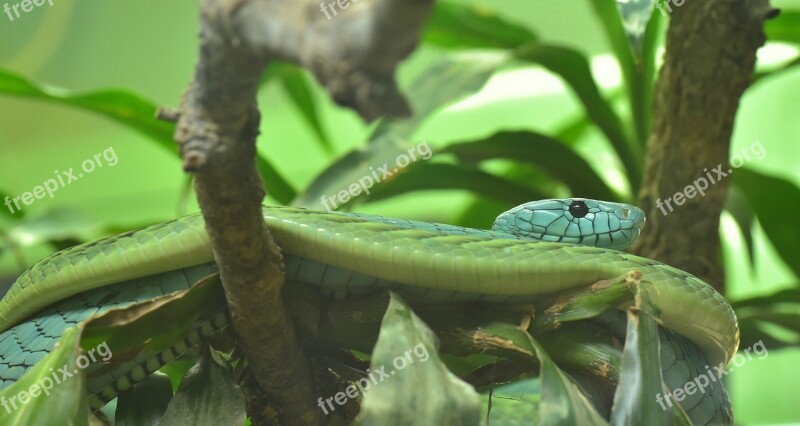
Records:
x=451, y=176
x=130, y=110
x=58, y=400
x=513, y=404
x=562, y=402
x=640, y=377
x=541, y=151
x=770, y=198
x=408, y=383
x=784, y=27
x=145, y=403
x=208, y=395
x=445, y=81
x=573, y=67
x=456, y=26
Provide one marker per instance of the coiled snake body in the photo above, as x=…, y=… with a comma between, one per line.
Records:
x=347, y=253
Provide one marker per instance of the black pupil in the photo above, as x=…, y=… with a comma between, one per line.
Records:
x=578, y=209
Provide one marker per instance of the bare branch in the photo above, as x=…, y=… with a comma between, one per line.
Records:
x=354, y=55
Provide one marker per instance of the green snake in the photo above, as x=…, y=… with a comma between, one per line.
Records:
x=537, y=248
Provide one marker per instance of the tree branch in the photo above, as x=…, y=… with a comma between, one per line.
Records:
x=354, y=55
x=710, y=57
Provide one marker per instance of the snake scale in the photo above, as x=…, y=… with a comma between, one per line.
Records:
x=533, y=249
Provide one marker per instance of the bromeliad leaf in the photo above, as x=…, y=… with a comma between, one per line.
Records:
x=640, y=378
x=562, y=402
x=409, y=384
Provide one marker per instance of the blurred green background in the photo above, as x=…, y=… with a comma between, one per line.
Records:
x=149, y=48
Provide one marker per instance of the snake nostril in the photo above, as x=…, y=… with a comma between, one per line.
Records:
x=625, y=213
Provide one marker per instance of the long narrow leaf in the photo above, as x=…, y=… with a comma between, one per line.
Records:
x=455, y=26
x=573, y=67
x=541, y=151
x=449, y=176
x=632, y=70
x=130, y=110
x=771, y=198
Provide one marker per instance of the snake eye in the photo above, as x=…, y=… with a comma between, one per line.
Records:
x=578, y=209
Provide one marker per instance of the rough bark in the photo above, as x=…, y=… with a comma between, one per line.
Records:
x=354, y=55
x=710, y=58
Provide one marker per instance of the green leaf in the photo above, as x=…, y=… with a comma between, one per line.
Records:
x=513, y=404
x=445, y=81
x=761, y=75
x=54, y=224
x=132, y=111
x=451, y=176
x=277, y=187
x=145, y=403
x=632, y=70
x=784, y=27
x=64, y=402
x=156, y=324
x=770, y=198
x=295, y=83
x=124, y=107
x=409, y=384
x=456, y=26
x=773, y=319
x=208, y=395
x=573, y=67
x=740, y=210
x=541, y=151
x=562, y=402
x=640, y=377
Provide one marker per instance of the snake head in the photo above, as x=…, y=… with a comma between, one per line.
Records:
x=575, y=220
